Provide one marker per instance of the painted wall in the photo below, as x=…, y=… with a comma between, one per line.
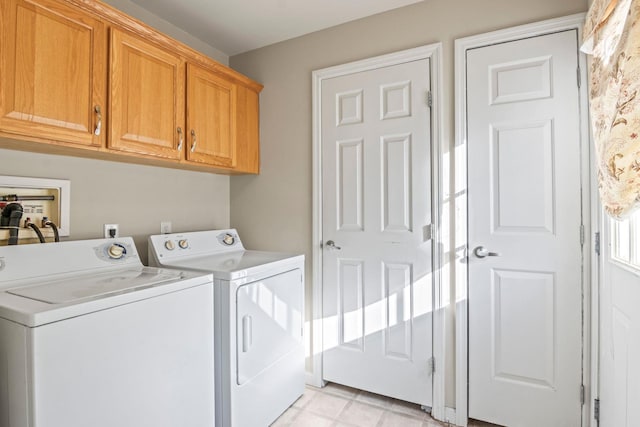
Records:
x=273, y=211
x=135, y=197
x=169, y=29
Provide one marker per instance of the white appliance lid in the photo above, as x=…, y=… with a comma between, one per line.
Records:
x=88, y=286
x=230, y=265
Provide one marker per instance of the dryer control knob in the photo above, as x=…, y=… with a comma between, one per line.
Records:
x=116, y=251
x=228, y=239
x=169, y=245
x=184, y=243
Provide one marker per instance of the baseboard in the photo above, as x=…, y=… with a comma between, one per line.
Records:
x=313, y=380
x=450, y=415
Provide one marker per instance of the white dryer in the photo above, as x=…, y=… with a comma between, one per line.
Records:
x=259, y=306
x=91, y=337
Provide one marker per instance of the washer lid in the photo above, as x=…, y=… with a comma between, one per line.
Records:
x=93, y=286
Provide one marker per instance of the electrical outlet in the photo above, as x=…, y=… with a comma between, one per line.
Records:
x=111, y=231
x=165, y=227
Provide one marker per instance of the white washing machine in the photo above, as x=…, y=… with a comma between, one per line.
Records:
x=91, y=337
x=259, y=306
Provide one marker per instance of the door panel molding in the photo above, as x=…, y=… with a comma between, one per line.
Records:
x=460, y=190
x=396, y=106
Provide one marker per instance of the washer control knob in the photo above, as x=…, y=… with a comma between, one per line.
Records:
x=116, y=251
x=169, y=245
x=228, y=239
x=184, y=243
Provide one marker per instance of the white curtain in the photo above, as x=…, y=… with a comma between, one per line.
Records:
x=612, y=41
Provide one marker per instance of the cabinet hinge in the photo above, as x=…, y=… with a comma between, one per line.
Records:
x=581, y=234
x=579, y=78
x=582, y=397
x=596, y=242
x=596, y=409
x=429, y=99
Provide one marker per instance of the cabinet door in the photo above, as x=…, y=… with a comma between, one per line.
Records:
x=52, y=72
x=146, y=89
x=211, y=118
x=248, y=131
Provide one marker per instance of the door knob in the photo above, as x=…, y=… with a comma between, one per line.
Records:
x=482, y=252
x=332, y=245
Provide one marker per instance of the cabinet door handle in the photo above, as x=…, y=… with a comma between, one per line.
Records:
x=180, y=138
x=98, y=129
x=193, y=140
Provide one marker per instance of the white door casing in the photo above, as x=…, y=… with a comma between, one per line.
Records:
x=377, y=285
x=524, y=203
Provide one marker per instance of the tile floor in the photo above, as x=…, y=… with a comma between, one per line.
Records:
x=339, y=406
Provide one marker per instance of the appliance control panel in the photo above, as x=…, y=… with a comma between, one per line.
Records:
x=175, y=245
x=30, y=261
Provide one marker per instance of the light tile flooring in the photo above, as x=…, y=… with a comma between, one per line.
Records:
x=339, y=406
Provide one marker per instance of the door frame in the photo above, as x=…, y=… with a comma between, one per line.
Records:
x=461, y=279
x=434, y=53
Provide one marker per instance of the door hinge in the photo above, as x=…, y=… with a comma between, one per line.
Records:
x=596, y=242
x=582, y=395
x=429, y=99
x=428, y=232
x=596, y=409
x=581, y=234
x=431, y=365
x=579, y=78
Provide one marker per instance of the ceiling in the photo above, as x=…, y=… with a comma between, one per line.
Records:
x=237, y=26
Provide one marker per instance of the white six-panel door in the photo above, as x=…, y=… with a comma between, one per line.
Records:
x=524, y=225
x=376, y=198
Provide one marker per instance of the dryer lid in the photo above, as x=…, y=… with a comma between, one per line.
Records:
x=91, y=286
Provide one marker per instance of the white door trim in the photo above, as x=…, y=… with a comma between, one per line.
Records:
x=460, y=204
x=434, y=53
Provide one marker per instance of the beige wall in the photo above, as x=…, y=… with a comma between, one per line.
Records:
x=273, y=210
x=135, y=197
x=169, y=29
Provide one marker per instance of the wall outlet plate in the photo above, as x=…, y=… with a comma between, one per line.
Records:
x=165, y=227
x=111, y=231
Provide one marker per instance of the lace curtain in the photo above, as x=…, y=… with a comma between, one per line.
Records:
x=612, y=39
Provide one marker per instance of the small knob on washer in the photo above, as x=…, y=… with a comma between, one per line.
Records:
x=116, y=251
x=184, y=243
x=169, y=245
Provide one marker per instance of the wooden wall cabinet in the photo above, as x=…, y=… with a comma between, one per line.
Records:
x=146, y=98
x=248, y=130
x=61, y=60
x=211, y=117
x=52, y=72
